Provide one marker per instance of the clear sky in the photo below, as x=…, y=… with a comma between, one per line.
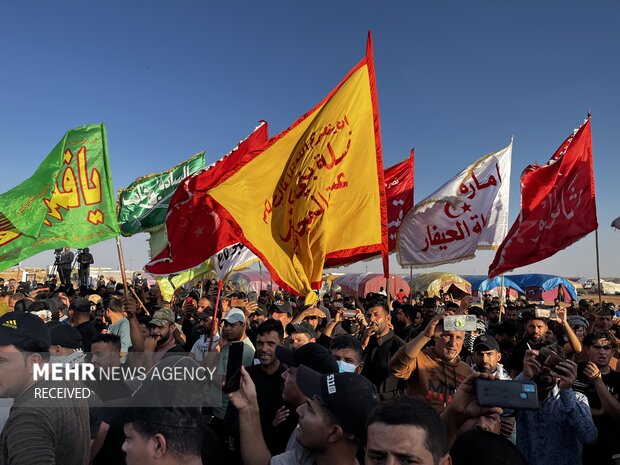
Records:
x=455, y=81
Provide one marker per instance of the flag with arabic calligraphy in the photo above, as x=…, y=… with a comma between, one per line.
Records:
x=68, y=201
x=316, y=191
x=144, y=204
x=234, y=258
x=468, y=213
x=558, y=205
x=196, y=228
x=399, y=198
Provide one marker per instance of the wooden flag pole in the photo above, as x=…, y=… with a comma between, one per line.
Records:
x=410, y=285
x=598, y=272
x=121, y=260
x=139, y=301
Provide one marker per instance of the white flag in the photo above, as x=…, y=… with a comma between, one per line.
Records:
x=233, y=258
x=469, y=212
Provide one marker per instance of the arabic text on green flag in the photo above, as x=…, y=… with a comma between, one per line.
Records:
x=144, y=204
x=67, y=202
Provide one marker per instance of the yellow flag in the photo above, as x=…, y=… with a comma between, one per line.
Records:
x=317, y=189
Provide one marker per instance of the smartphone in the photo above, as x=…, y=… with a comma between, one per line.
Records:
x=542, y=313
x=238, y=303
x=351, y=314
x=233, y=367
x=507, y=394
x=460, y=323
x=548, y=358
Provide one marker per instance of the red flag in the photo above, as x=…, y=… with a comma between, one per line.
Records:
x=399, y=193
x=197, y=227
x=558, y=205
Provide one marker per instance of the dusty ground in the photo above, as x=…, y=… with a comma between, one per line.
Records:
x=607, y=298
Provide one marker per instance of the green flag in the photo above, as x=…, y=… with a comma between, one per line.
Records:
x=144, y=204
x=67, y=202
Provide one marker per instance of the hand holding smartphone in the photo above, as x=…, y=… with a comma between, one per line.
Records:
x=233, y=367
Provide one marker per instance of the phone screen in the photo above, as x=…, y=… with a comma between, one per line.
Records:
x=233, y=367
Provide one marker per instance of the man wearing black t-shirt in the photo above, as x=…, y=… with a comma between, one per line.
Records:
x=601, y=385
x=267, y=376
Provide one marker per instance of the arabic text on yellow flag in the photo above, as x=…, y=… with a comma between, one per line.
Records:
x=317, y=190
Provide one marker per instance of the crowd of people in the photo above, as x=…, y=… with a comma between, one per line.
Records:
x=350, y=379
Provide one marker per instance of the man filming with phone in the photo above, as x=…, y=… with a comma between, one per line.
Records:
x=557, y=431
x=434, y=372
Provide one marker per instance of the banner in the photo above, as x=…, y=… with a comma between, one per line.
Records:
x=144, y=204
x=196, y=229
x=558, y=205
x=314, y=192
x=67, y=202
x=317, y=191
x=399, y=192
x=232, y=259
x=467, y=213
x=169, y=284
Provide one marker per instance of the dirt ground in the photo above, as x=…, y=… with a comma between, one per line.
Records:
x=606, y=298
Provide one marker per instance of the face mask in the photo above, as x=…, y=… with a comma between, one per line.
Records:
x=344, y=367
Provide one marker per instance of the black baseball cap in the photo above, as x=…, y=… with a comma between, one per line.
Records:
x=261, y=310
x=312, y=355
x=348, y=396
x=301, y=327
x=16, y=327
x=66, y=336
x=485, y=342
x=281, y=306
x=429, y=302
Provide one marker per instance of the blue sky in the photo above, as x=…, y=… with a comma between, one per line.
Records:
x=455, y=81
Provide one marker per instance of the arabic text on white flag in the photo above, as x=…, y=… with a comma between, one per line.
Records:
x=467, y=213
x=231, y=259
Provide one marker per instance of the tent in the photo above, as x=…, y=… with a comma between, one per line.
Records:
x=539, y=287
x=609, y=288
x=250, y=280
x=363, y=283
x=483, y=285
x=432, y=283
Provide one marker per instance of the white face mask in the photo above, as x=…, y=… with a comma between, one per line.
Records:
x=345, y=367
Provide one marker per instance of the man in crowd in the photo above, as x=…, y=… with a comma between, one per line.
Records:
x=557, y=431
x=267, y=377
x=79, y=315
x=601, y=385
x=380, y=344
x=65, y=266
x=161, y=340
x=487, y=356
x=300, y=334
x=434, y=372
x=536, y=328
x=253, y=448
x=233, y=331
x=410, y=319
x=406, y=430
x=85, y=259
x=282, y=311
x=348, y=353
x=35, y=433
x=118, y=324
x=204, y=327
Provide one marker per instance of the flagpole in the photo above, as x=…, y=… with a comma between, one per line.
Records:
x=220, y=284
x=598, y=271
x=260, y=268
x=502, y=301
x=410, y=286
x=121, y=260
